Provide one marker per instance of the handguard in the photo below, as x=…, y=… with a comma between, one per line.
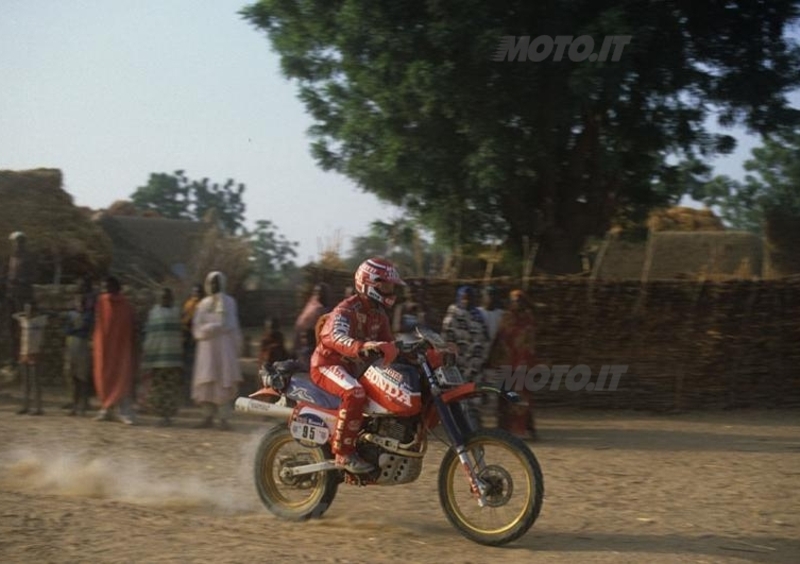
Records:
x=387, y=349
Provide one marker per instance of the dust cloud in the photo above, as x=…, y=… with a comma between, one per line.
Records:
x=50, y=471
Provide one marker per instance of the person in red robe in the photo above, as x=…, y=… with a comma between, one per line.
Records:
x=515, y=345
x=114, y=353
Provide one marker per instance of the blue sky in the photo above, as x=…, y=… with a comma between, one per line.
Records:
x=111, y=91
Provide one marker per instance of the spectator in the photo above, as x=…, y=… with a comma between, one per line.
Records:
x=189, y=344
x=463, y=326
x=163, y=358
x=410, y=314
x=491, y=309
x=78, y=329
x=217, y=373
x=515, y=347
x=114, y=340
x=32, y=326
x=20, y=276
x=88, y=299
x=273, y=348
x=88, y=295
x=305, y=339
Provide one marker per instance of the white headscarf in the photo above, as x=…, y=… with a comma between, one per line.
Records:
x=217, y=303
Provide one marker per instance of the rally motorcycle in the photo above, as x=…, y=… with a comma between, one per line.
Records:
x=490, y=483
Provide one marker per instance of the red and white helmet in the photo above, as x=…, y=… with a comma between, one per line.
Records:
x=375, y=279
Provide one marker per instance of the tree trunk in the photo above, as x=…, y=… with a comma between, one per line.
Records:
x=559, y=253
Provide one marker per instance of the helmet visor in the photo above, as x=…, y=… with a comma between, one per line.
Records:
x=386, y=288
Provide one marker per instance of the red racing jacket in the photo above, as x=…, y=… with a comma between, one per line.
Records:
x=352, y=323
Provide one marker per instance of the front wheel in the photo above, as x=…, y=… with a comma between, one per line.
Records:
x=292, y=497
x=512, y=482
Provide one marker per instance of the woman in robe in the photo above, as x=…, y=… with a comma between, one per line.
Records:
x=217, y=373
x=114, y=340
x=515, y=346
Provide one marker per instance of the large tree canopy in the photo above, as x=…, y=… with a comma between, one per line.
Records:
x=409, y=103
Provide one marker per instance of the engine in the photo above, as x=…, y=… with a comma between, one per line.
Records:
x=402, y=430
x=393, y=467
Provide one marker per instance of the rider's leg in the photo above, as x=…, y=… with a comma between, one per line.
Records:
x=336, y=380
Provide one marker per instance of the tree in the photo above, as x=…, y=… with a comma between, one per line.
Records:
x=399, y=241
x=174, y=196
x=772, y=185
x=408, y=103
x=272, y=254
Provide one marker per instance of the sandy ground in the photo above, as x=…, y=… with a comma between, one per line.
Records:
x=620, y=487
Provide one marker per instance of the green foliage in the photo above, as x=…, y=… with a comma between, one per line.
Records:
x=400, y=241
x=272, y=254
x=174, y=196
x=771, y=185
x=407, y=102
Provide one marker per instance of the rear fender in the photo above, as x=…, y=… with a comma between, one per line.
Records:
x=265, y=394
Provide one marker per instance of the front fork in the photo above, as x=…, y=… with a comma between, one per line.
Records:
x=457, y=433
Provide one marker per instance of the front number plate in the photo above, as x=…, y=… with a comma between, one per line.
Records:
x=307, y=432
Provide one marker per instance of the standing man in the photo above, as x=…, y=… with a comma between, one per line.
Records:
x=78, y=328
x=217, y=373
x=114, y=340
x=20, y=276
x=32, y=326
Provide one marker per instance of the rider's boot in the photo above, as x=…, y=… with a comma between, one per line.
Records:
x=353, y=463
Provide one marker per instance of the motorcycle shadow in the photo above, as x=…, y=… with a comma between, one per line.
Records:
x=752, y=548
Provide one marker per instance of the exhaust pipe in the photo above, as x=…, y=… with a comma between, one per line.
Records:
x=257, y=407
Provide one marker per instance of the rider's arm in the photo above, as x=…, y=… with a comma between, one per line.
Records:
x=336, y=334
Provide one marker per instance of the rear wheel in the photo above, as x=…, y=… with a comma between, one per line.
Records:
x=292, y=497
x=512, y=482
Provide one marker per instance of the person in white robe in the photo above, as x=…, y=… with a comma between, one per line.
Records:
x=217, y=373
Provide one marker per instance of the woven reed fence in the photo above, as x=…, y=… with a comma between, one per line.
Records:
x=686, y=345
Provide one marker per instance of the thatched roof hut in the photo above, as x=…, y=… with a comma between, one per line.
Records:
x=61, y=235
x=684, y=254
x=152, y=249
x=680, y=218
x=717, y=254
x=679, y=242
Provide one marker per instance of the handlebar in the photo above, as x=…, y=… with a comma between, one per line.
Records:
x=404, y=347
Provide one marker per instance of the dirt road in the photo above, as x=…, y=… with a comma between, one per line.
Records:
x=620, y=487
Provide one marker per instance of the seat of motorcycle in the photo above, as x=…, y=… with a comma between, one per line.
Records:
x=302, y=388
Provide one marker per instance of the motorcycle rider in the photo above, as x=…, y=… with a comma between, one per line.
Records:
x=357, y=325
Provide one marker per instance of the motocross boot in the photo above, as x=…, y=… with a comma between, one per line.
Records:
x=353, y=463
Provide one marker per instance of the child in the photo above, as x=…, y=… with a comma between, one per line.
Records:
x=272, y=343
x=78, y=328
x=32, y=328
